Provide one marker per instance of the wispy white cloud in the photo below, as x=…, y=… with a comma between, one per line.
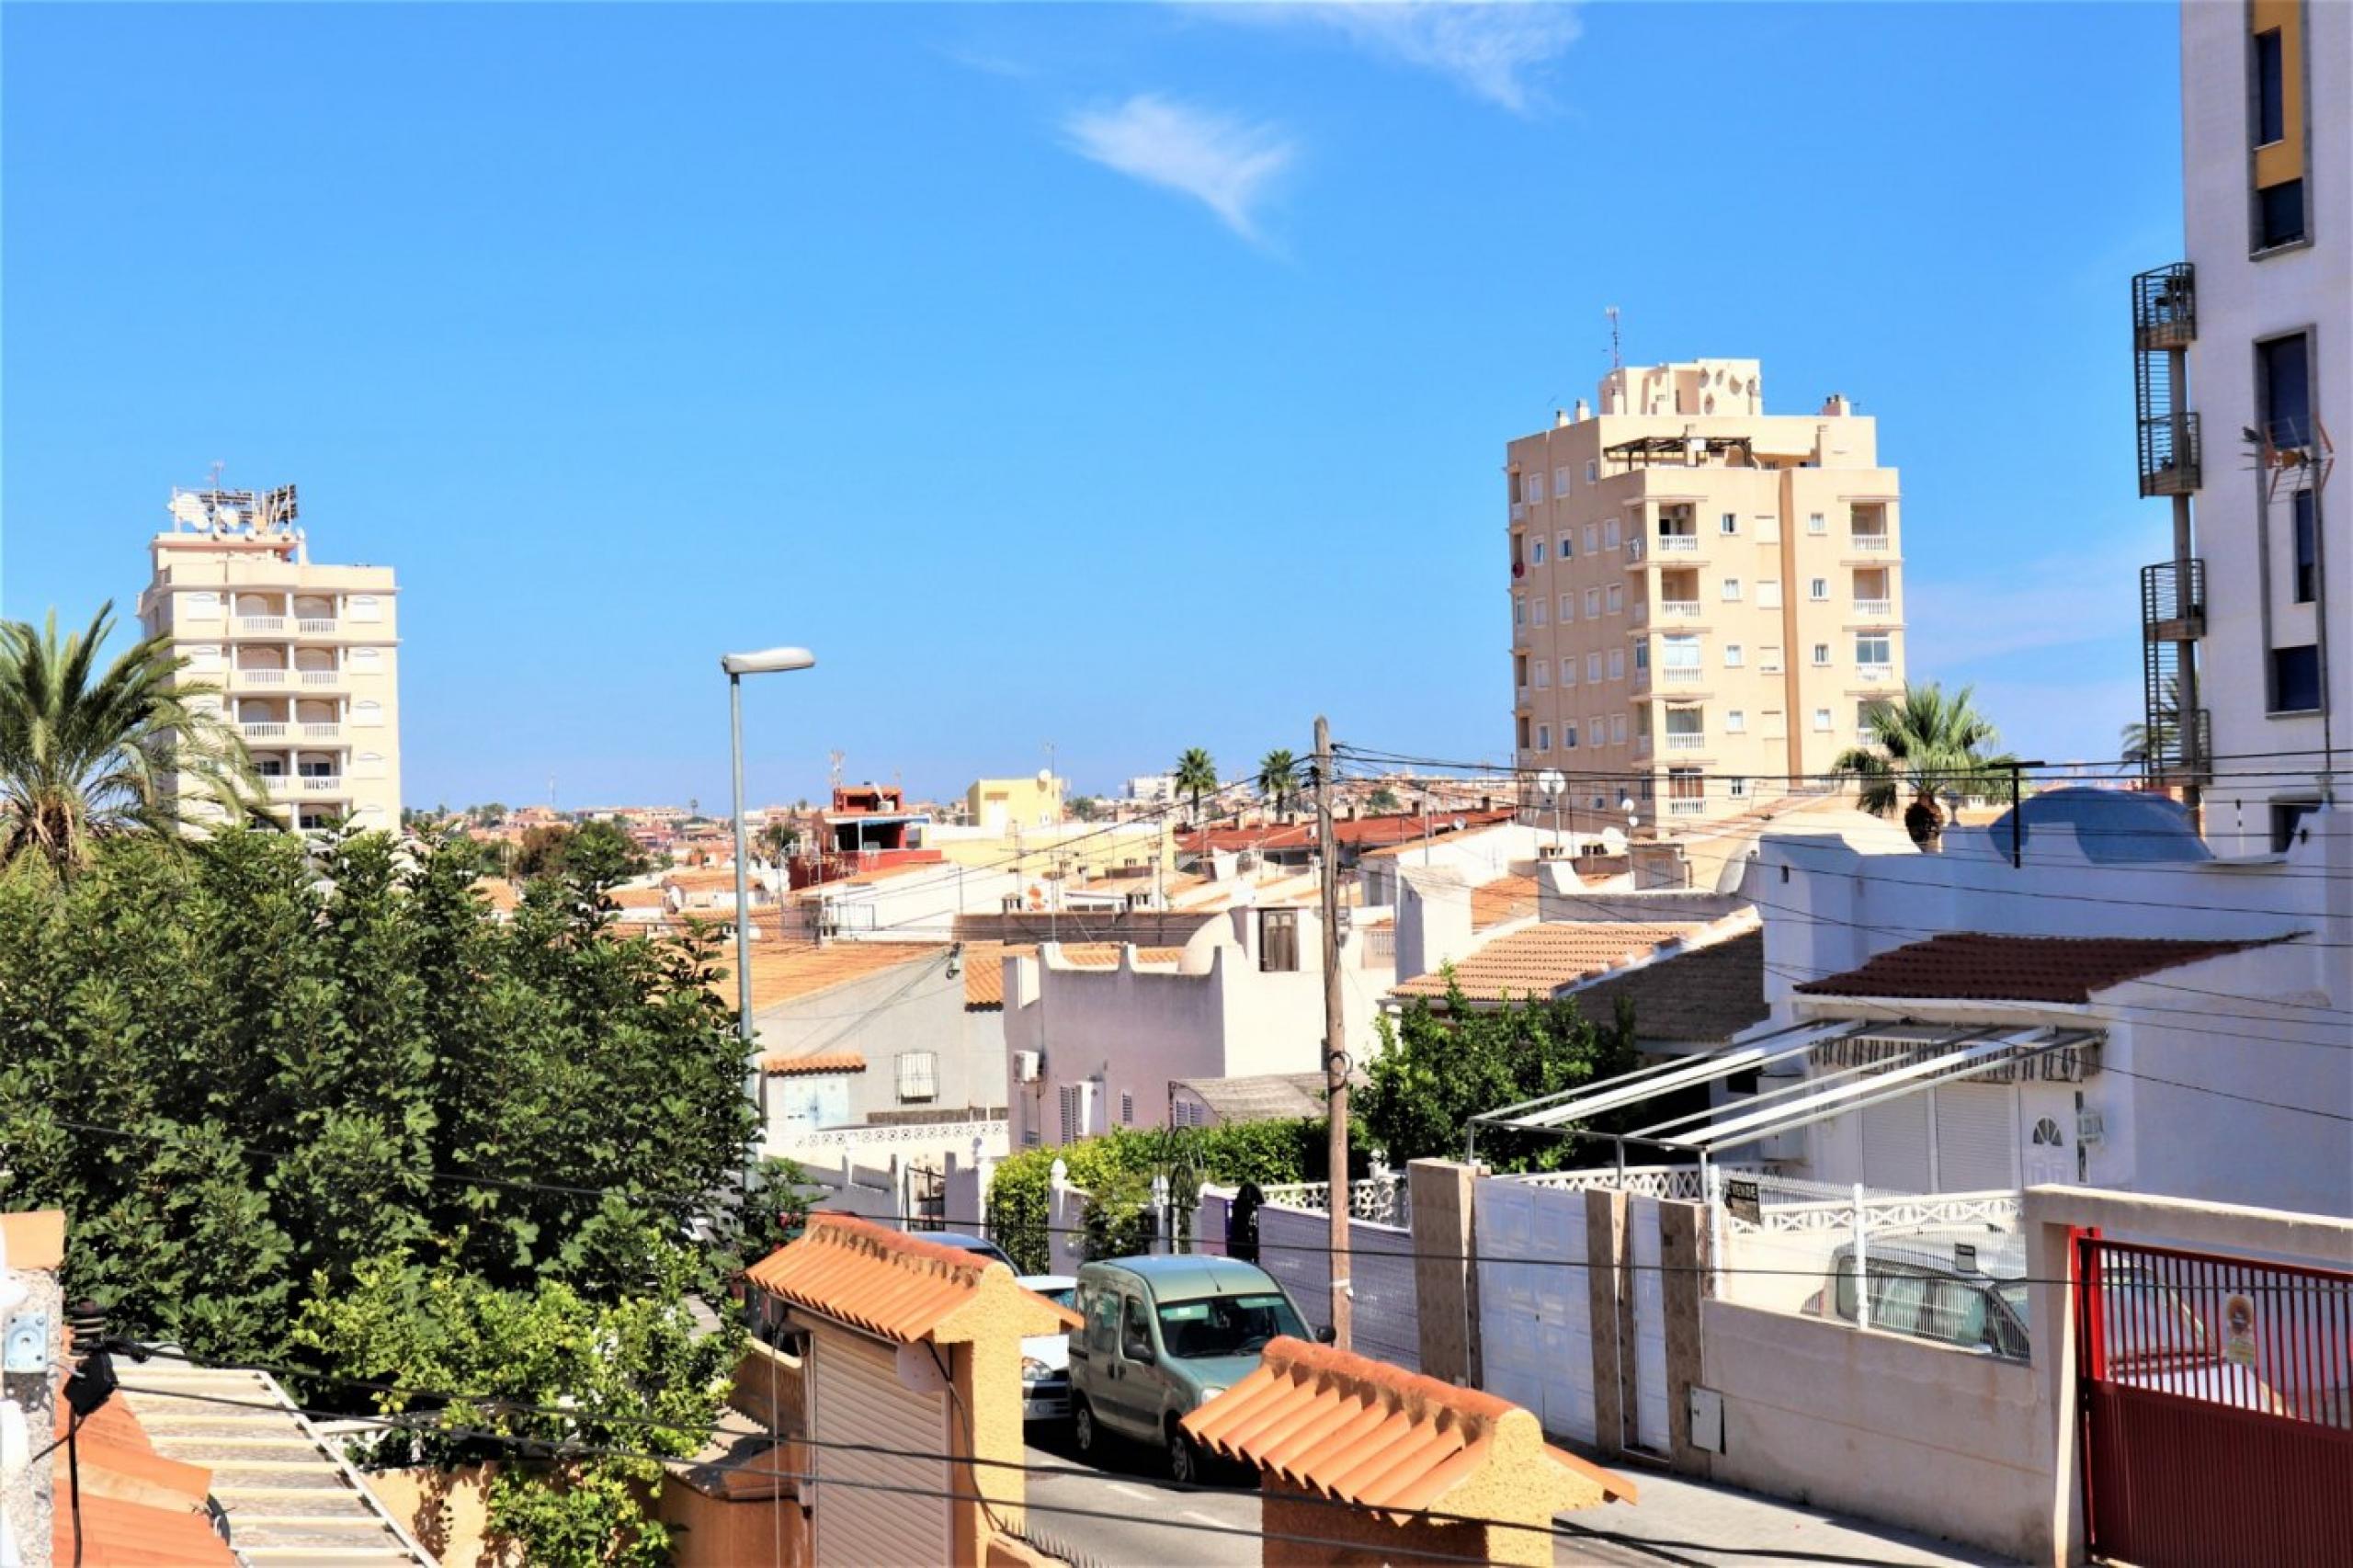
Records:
x=1227, y=165
x=1497, y=50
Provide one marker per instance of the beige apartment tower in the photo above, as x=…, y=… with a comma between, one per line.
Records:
x=306, y=657
x=1706, y=599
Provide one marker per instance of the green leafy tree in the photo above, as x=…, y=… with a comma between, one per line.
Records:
x=87, y=752
x=1927, y=751
x=1279, y=779
x=1086, y=808
x=1384, y=799
x=1196, y=777
x=778, y=840
x=1437, y=1069
x=597, y=852
x=574, y=1378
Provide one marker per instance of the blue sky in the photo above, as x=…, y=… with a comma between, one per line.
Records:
x=1124, y=378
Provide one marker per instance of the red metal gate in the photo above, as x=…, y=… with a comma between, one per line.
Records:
x=2215, y=1406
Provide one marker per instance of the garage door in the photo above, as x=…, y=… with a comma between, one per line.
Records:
x=1977, y=1137
x=856, y=1397
x=1650, y=1325
x=1535, y=1317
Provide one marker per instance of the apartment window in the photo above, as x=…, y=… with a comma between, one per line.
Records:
x=1617, y=663
x=1592, y=470
x=918, y=1075
x=2283, y=381
x=1679, y=652
x=2279, y=214
x=1568, y=608
x=2307, y=531
x=1815, y=523
x=1592, y=667
x=1517, y=493
x=1127, y=1109
x=1535, y=552
x=1618, y=728
x=1821, y=654
x=1732, y=588
x=1641, y=653
x=1737, y=789
x=1769, y=593
x=1729, y=523
x=1616, y=597
x=1866, y=720
x=1537, y=614
x=2270, y=88
x=1536, y=485
x=1768, y=659
x=1592, y=603
x=1818, y=589
x=1077, y=1108
x=1822, y=721
x=1519, y=669
x=1519, y=612
x=1544, y=737
x=2295, y=679
x=1568, y=544
x=1731, y=655
x=1279, y=941
x=1568, y=672
x=1874, y=650
x=1610, y=534
x=1736, y=722
x=1568, y=737
x=1598, y=730
x=1592, y=538
x=1560, y=482
x=1524, y=732
x=1544, y=673
x=1686, y=784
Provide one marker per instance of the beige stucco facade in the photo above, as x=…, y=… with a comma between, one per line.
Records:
x=1704, y=598
x=305, y=657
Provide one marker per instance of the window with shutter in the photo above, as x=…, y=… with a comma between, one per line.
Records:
x=918, y=1075
x=1279, y=941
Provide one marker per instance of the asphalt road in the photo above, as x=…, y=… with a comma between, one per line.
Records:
x=1153, y=1525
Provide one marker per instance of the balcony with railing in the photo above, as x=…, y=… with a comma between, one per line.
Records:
x=1679, y=609
x=264, y=729
x=1875, y=610
x=2170, y=448
x=322, y=783
x=321, y=729
x=328, y=677
x=317, y=625
x=1685, y=740
x=2164, y=307
x=2173, y=601
x=1686, y=806
x=1682, y=674
x=257, y=674
x=261, y=623
x=1679, y=543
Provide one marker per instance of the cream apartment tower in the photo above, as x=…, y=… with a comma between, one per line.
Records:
x=306, y=657
x=1706, y=599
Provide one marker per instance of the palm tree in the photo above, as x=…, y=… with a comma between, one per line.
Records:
x=1278, y=778
x=85, y=754
x=2144, y=741
x=1929, y=747
x=1197, y=776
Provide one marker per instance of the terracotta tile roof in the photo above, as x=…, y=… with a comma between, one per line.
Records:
x=1541, y=959
x=501, y=893
x=1707, y=995
x=781, y=1065
x=1505, y=898
x=1982, y=967
x=638, y=897
x=985, y=965
x=1368, y=836
x=784, y=970
x=138, y=1509
x=1441, y=825
x=701, y=881
x=1364, y=1432
x=900, y=1287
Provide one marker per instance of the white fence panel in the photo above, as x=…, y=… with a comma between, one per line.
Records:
x=1535, y=1319
x=1294, y=1246
x=1650, y=1325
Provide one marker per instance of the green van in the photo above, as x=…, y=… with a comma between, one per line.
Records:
x=1160, y=1337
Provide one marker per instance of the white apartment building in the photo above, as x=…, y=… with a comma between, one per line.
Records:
x=306, y=657
x=1706, y=599
x=2256, y=333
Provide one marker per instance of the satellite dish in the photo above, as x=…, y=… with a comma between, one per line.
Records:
x=1460, y=824
x=1045, y=778
x=1551, y=782
x=1612, y=841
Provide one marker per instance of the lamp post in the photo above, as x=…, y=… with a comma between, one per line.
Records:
x=766, y=661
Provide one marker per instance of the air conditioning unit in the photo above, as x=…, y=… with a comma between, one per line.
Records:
x=1025, y=1064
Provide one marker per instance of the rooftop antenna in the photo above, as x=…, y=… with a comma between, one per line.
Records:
x=217, y=466
x=1616, y=360
x=834, y=758
x=550, y=792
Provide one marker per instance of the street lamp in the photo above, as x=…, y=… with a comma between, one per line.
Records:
x=766, y=661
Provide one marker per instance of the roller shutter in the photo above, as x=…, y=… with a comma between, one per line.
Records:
x=856, y=1397
x=1896, y=1144
x=1977, y=1137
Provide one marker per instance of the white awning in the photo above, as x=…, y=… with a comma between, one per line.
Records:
x=1682, y=1072
x=1957, y=1055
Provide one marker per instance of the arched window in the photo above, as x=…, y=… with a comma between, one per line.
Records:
x=2046, y=1134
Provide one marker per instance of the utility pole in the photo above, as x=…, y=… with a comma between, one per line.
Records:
x=1335, y=1055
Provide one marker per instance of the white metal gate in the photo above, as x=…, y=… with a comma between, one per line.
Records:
x=1535, y=1319
x=1650, y=1326
x=856, y=1397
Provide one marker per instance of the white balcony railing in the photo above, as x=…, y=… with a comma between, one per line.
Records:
x=1682, y=543
x=317, y=625
x=1693, y=741
x=1875, y=673
x=261, y=623
x=322, y=783
x=322, y=678
x=261, y=677
x=1686, y=610
x=1689, y=676
x=1875, y=610
x=283, y=784
x=318, y=730
x=1869, y=541
x=1685, y=808
x=262, y=729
